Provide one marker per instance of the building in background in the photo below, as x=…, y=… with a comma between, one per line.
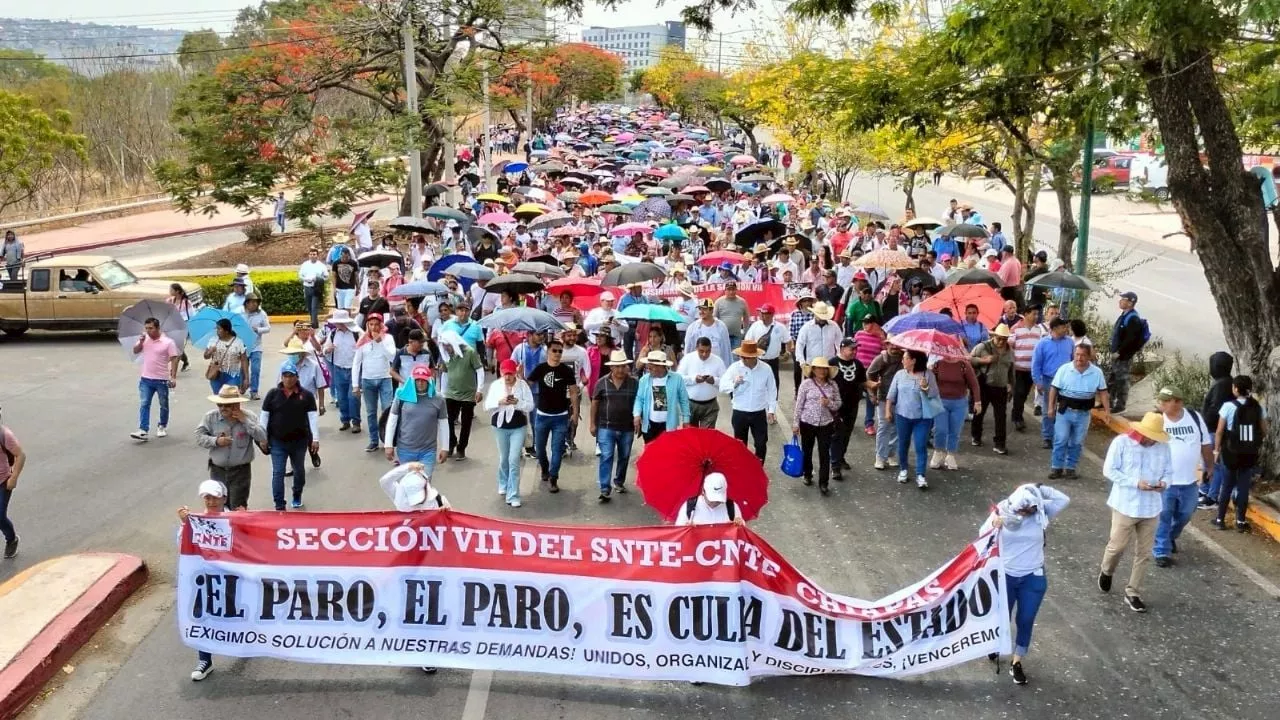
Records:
x=637, y=45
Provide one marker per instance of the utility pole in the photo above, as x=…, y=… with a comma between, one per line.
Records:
x=411, y=108
x=719, y=50
x=486, y=156
x=1086, y=184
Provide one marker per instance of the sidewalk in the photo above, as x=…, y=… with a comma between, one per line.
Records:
x=53, y=608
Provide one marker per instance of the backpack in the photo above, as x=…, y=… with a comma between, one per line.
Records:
x=692, y=503
x=1242, y=443
x=1142, y=323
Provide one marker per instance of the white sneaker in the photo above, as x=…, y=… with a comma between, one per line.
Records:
x=203, y=668
x=935, y=462
x=516, y=503
x=139, y=434
x=597, y=451
x=162, y=431
x=951, y=462
x=879, y=463
x=893, y=461
x=902, y=476
x=502, y=492
x=921, y=482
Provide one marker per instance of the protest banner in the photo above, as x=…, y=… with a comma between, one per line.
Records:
x=710, y=603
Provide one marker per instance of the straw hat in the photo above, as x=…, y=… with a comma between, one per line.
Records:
x=823, y=311
x=618, y=357
x=341, y=317
x=1151, y=427
x=678, y=268
x=760, y=249
x=657, y=357
x=686, y=289
x=820, y=362
x=228, y=395
x=749, y=348
x=295, y=347
x=1002, y=330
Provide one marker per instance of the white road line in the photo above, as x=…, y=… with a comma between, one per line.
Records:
x=1144, y=288
x=1268, y=587
x=477, y=695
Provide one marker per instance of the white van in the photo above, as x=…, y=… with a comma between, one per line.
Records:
x=1150, y=173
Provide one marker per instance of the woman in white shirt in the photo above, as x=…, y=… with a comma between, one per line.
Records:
x=1022, y=519
x=509, y=402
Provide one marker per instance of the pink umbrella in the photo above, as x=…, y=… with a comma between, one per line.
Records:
x=778, y=198
x=630, y=228
x=656, y=172
x=931, y=342
x=742, y=160
x=688, y=143
x=495, y=218
x=567, y=231
x=625, y=137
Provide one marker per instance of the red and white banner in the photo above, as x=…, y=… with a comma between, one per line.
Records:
x=446, y=589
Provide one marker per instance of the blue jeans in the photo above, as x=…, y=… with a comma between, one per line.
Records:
x=869, y=414
x=1237, y=481
x=510, y=443
x=1179, y=506
x=6, y=526
x=295, y=453
x=345, y=298
x=555, y=427
x=1215, y=481
x=1046, y=423
x=1069, y=430
x=312, y=300
x=147, y=388
x=255, y=370
x=886, y=434
x=426, y=457
x=948, y=424
x=348, y=408
x=1025, y=595
x=615, y=452
x=909, y=430
x=377, y=394
x=280, y=221
x=224, y=378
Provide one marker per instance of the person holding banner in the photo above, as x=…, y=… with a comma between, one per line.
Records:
x=410, y=489
x=1021, y=519
x=213, y=496
x=712, y=506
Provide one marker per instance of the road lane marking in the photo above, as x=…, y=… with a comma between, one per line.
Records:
x=1144, y=288
x=477, y=695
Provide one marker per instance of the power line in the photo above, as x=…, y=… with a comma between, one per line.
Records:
x=131, y=56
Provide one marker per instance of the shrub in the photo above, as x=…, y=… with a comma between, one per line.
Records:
x=281, y=290
x=1189, y=376
x=257, y=232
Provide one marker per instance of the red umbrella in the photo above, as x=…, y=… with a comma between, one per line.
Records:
x=575, y=286
x=359, y=218
x=671, y=471
x=956, y=297
x=713, y=259
x=931, y=342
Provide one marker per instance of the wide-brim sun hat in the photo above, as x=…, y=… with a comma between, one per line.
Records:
x=657, y=357
x=823, y=311
x=618, y=357
x=1151, y=427
x=820, y=362
x=228, y=395
x=748, y=348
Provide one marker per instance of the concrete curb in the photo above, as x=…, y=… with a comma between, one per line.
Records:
x=1262, y=517
x=24, y=677
x=176, y=233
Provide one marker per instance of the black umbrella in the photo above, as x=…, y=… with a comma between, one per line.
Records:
x=477, y=232
x=520, y=319
x=965, y=230
x=434, y=189
x=470, y=177
x=974, y=276
x=679, y=198
x=655, y=208
x=1062, y=279
x=517, y=283
x=912, y=276
x=754, y=233
x=757, y=178
x=631, y=273
x=411, y=224
x=533, y=267
x=380, y=259
x=718, y=184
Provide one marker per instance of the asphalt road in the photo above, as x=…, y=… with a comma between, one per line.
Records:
x=1208, y=646
x=1173, y=293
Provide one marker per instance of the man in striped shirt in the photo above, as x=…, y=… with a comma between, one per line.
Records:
x=1025, y=336
x=801, y=315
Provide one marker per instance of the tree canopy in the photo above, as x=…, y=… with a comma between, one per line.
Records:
x=30, y=142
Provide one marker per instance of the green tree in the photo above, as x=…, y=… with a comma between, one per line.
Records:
x=30, y=142
x=200, y=51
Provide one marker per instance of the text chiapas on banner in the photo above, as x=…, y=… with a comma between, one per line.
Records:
x=710, y=603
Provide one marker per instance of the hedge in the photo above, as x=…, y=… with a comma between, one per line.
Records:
x=281, y=290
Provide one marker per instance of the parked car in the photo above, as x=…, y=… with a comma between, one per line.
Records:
x=77, y=292
x=1149, y=173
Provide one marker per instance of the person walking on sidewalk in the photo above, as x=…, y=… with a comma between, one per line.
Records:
x=12, y=462
x=612, y=423
x=1127, y=339
x=993, y=364
x=1076, y=388
x=880, y=374
x=1021, y=519
x=293, y=427
x=260, y=323
x=371, y=374
x=1220, y=364
x=278, y=211
x=755, y=396
x=957, y=385
x=159, y=375
x=913, y=389
x=466, y=376
x=213, y=500
x=229, y=433
x=313, y=274
x=14, y=253
x=1242, y=431
x=1139, y=468
x=415, y=431
x=509, y=403
x=702, y=370
x=1190, y=449
x=556, y=400
x=818, y=404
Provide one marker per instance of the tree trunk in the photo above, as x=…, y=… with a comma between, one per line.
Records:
x=1029, y=203
x=751, y=140
x=909, y=187
x=1067, y=228
x=1219, y=204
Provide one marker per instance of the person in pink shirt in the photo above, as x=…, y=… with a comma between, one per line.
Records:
x=870, y=343
x=159, y=375
x=1010, y=271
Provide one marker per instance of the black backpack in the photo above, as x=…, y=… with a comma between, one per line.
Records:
x=692, y=503
x=1242, y=443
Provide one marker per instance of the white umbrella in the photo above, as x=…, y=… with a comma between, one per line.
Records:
x=132, y=323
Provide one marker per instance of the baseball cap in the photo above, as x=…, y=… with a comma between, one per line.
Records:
x=715, y=488
x=289, y=368
x=1168, y=393
x=508, y=367
x=1042, y=256
x=767, y=308
x=1130, y=296
x=848, y=342
x=706, y=303
x=421, y=372
x=212, y=488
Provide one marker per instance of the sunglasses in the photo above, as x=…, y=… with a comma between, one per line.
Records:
x=556, y=352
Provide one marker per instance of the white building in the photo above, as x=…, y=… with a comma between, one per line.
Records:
x=637, y=45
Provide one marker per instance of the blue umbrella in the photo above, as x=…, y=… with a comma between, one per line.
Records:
x=670, y=231
x=422, y=288
x=471, y=271
x=923, y=321
x=651, y=312
x=515, y=167
x=439, y=267
x=203, y=327
x=521, y=319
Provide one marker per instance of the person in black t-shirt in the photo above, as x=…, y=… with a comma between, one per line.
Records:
x=346, y=277
x=851, y=378
x=556, y=398
x=374, y=304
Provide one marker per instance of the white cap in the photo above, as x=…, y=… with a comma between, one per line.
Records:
x=242, y=269
x=991, y=252
x=715, y=488
x=412, y=490
x=212, y=488
x=606, y=295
